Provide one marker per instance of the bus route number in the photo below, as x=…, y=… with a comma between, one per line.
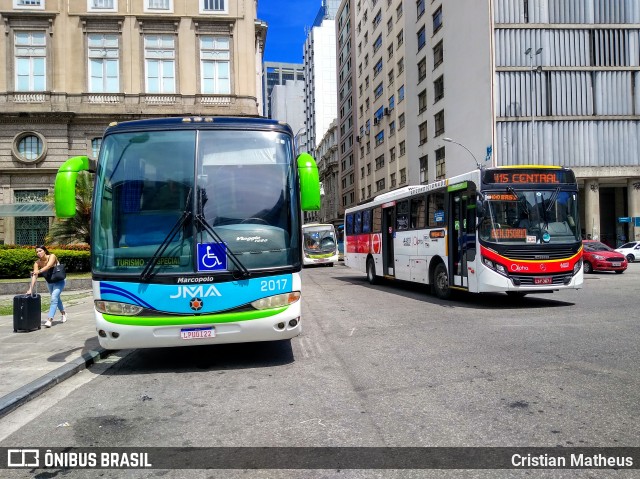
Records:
x=273, y=285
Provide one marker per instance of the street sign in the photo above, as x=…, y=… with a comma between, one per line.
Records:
x=637, y=218
x=624, y=219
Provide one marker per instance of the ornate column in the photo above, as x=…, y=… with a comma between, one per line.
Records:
x=592, y=209
x=633, y=198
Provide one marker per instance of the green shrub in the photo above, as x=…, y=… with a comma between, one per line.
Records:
x=18, y=262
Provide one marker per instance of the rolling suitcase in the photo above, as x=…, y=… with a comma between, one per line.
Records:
x=26, y=312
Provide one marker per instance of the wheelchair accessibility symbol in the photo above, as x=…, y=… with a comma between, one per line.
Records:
x=212, y=256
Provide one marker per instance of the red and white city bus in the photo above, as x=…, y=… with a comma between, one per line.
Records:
x=506, y=229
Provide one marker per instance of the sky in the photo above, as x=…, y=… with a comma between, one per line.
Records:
x=287, y=20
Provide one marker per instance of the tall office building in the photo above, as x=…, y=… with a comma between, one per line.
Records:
x=319, y=58
x=70, y=68
x=276, y=73
x=503, y=82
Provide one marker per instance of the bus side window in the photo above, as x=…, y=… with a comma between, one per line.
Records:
x=377, y=219
x=366, y=221
x=349, y=224
x=417, y=213
x=358, y=225
x=435, y=213
x=402, y=216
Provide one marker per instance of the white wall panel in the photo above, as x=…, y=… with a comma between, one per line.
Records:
x=569, y=143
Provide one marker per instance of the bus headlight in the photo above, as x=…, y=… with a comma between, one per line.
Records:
x=497, y=267
x=577, y=266
x=276, y=301
x=113, y=307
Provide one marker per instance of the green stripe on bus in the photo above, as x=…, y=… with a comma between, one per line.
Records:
x=182, y=320
x=457, y=187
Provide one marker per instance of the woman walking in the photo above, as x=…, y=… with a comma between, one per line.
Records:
x=44, y=266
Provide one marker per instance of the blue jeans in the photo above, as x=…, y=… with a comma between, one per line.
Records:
x=56, y=303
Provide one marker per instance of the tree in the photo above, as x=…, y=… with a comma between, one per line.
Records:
x=76, y=229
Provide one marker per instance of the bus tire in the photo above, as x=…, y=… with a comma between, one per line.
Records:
x=441, y=282
x=371, y=271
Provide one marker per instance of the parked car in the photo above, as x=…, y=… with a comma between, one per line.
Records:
x=631, y=250
x=598, y=256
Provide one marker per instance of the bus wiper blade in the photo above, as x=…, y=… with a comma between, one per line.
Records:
x=186, y=214
x=520, y=199
x=553, y=199
x=244, y=272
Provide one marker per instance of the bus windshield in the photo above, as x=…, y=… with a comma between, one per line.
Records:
x=152, y=186
x=319, y=239
x=526, y=216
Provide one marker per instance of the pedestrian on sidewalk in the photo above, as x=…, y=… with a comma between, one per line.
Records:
x=44, y=266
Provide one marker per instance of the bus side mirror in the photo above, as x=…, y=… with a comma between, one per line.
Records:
x=309, y=183
x=65, y=186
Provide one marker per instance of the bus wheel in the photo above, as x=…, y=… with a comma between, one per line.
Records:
x=441, y=282
x=371, y=271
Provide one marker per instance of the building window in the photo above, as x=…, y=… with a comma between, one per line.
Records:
x=380, y=138
x=159, y=6
x=378, y=91
x=424, y=170
x=215, y=65
x=377, y=44
x=379, y=162
x=438, y=89
x=423, y=132
x=391, y=77
x=392, y=128
x=401, y=121
x=400, y=38
x=31, y=230
x=403, y=176
x=380, y=185
x=29, y=147
x=400, y=65
x=401, y=94
x=399, y=12
x=439, y=123
x=96, y=143
x=422, y=101
x=389, y=25
x=104, y=63
x=422, y=69
x=422, y=38
x=362, y=172
x=103, y=5
x=440, y=164
x=420, y=6
x=377, y=68
x=213, y=6
x=159, y=54
x=368, y=169
x=392, y=154
x=438, y=54
x=30, y=4
x=392, y=177
x=402, y=147
x=392, y=102
x=377, y=19
x=390, y=51
x=368, y=191
x=31, y=61
x=437, y=19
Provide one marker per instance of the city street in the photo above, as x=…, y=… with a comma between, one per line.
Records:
x=384, y=365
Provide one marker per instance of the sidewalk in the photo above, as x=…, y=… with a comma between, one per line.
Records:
x=31, y=363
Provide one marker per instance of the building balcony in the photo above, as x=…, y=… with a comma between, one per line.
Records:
x=127, y=104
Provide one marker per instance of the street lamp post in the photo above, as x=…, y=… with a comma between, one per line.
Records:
x=449, y=140
x=534, y=101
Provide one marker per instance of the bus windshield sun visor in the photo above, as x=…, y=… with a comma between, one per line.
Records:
x=147, y=272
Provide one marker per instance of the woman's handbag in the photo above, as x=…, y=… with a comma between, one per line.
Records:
x=58, y=273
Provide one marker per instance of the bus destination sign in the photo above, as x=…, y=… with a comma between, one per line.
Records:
x=528, y=176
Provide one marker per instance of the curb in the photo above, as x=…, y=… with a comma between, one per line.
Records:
x=17, y=398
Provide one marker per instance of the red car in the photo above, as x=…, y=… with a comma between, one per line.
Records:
x=599, y=257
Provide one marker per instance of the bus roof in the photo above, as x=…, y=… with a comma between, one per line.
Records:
x=199, y=122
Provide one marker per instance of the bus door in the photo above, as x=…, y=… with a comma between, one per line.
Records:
x=388, y=234
x=461, y=234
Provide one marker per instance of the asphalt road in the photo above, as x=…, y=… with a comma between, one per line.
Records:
x=384, y=365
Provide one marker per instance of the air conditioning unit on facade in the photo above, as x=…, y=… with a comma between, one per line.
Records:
x=386, y=111
x=376, y=121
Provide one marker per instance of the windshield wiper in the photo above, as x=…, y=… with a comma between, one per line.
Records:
x=186, y=214
x=521, y=199
x=553, y=199
x=244, y=272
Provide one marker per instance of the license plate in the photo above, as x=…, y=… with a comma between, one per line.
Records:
x=545, y=280
x=616, y=264
x=197, y=333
